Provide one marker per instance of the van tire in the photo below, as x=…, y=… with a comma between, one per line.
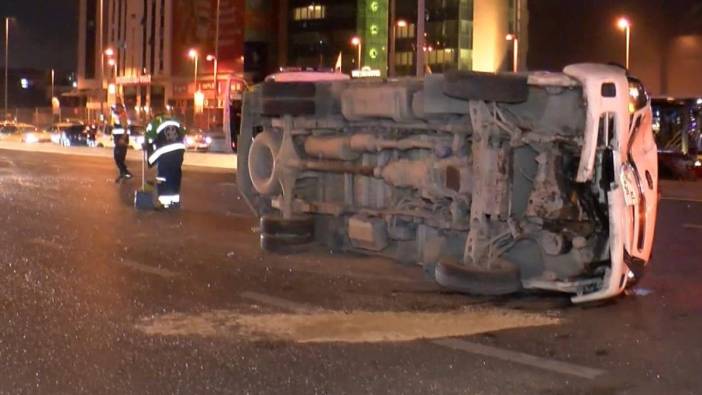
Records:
x=273, y=225
x=502, y=279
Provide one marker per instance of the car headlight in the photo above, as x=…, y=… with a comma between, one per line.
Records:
x=30, y=138
x=698, y=163
x=208, y=140
x=189, y=141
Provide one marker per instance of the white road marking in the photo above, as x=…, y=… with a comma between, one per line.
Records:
x=521, y=358
x=165, y=273
x=692, y=226
x=681, y=199
x=278, y=302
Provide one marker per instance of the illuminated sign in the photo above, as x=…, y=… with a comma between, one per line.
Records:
x=373, y=31
x=134, y=79
x=366, y=72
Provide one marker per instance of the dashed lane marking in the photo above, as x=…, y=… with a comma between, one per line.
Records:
x=165, y=273
x=692, y=226
x=521, y=358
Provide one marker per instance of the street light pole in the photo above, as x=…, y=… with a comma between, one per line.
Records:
x=624, y=24
x=421, y=17
x=517, y=35
x=194, y=55
x=102, y=57
x=7, y=59
x=213, y=59
x=515, y=51
x=393, y=38
x=628, y=43
x=216, y=57
x=357, y=42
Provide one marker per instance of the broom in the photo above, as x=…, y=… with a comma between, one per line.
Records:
x=144, y=197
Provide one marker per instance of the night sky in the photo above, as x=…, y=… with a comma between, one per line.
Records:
x=571, y=31
x=43, y=35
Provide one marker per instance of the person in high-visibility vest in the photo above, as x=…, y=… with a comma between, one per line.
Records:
x=120, y=137
x=165, y=148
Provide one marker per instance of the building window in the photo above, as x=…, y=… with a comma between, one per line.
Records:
x=404, y=58
x=441, y=56
x=465, y=59
x=405, y=31
x=312, y=11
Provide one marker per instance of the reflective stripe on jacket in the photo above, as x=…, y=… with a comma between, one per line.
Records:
x=163, y=150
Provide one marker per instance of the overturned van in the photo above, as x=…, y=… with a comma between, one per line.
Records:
x=498, y=182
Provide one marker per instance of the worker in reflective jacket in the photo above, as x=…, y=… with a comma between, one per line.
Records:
x=120, y=137
x=165, y=148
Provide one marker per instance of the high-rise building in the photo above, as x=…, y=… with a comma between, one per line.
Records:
x=137, y=52
x=459, y=34
x=317, y=32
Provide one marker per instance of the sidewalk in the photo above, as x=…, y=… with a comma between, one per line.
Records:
x=197, y=159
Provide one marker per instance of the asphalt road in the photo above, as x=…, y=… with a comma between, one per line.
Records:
x=96, y=297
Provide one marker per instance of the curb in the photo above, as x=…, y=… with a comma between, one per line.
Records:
x=194, y=159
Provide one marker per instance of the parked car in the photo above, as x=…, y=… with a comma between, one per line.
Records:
x=11, y=131
x=198, y=140
x=8, y=129
x=136, y=137
x=676, y=126
x=32, y=135
x=57, y=130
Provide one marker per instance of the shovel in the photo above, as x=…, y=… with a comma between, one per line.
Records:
x=144, y=196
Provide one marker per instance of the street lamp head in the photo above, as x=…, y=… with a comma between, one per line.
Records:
x=623, y=23
x=109, y=52
x=111, y=62
x=210, y=58
x=192, y=53
x=510, y=37
x=356, y=41
x=402, y=23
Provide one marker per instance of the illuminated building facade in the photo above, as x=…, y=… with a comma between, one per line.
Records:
x=136, y=52
x=460, y=34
